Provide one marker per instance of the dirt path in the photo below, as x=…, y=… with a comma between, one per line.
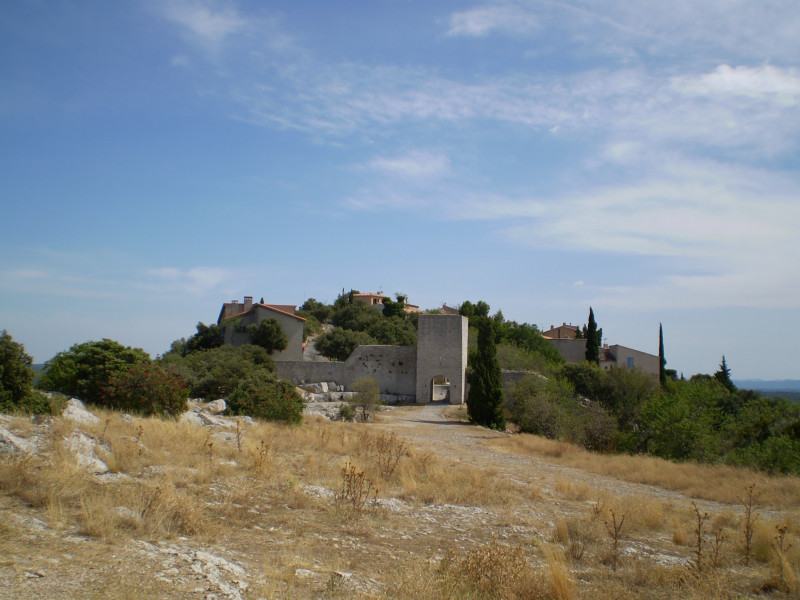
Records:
x=428, y=427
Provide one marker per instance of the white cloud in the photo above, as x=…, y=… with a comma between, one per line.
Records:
x=207, y=21
x=196, y=280
x=413, y=165
x=482, y=21
x=782, y=85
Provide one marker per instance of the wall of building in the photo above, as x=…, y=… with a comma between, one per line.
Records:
x=442, y=350
x=571, y=350
x=643, y=360
x=292, y=329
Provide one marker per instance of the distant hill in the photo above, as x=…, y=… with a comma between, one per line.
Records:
x=784, y=388
x=764, y=385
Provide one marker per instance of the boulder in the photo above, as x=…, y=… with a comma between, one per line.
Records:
x=82, y=446
x=76, y=411
x=216, y=407
x=192, y=418
x=11, y=443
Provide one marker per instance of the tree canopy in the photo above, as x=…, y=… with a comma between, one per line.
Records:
x=593, y=339
x=86, y=368
x=16, y=374
x=485, y=403
x=269, y=335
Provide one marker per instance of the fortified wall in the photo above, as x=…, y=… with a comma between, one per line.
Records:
x=441, y=353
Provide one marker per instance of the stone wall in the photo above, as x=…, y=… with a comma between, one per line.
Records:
x=442, y=350
x=392, y=367
x=399, y=370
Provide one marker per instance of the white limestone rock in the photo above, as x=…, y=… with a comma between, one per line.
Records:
x=11, y=443
x=83, y=447
x=76, y=411
x=215, y=407
x=190, y=417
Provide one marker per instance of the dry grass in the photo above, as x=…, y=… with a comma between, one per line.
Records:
x=718, y=482
x=467, y=529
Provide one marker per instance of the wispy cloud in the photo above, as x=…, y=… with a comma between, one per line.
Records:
x=193, y=281
x=765, y=82
x=414, y=165
x=208, y=22
x=486, y=19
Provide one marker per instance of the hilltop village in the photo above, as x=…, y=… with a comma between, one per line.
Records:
x=406, y=370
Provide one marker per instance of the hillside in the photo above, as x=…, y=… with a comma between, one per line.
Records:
x=254, y=510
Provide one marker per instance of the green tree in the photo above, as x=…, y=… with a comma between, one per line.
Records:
x=217, y=372
x=724, y=376
x=593, y=340
x=485, y=403
x=86, y=368
x=147, y=389
x=338, y=344
x=662, y=362
x=366, y=397
x=263, y=396
x=355, y=316
x=394, y=308
x=16, y=373
x=269, y=335
x=321, y=312
x=393, y=331
x=469, y=310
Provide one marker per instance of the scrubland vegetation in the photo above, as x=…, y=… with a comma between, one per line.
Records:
x=428, y=514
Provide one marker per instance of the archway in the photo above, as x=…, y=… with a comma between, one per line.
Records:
x=440, y=389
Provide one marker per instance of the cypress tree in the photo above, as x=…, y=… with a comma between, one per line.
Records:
x=592, y=340
x=662, y=362
x=485, y=403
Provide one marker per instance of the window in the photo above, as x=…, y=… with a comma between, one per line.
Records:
x=629, y=361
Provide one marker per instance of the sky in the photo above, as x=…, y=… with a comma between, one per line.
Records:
x=161, y=157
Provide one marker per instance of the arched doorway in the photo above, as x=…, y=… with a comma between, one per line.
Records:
x=440, y=389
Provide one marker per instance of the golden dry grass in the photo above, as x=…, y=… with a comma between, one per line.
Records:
x=468, y=529
x=719, y=483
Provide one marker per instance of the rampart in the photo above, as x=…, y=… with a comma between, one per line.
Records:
x=394, y=369
x=405, y=370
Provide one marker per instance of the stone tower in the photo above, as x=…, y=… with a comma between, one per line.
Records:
x=442, y=353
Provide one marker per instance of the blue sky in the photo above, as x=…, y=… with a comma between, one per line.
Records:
x=158, y=158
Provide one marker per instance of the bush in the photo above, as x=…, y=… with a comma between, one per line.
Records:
x=263, y=396
x=16, y=373
x=338, y=344
x=366, y=398
x=85, y=369
x=549, y=407
x=218, y=372
x=268, y=335
x=147, y=389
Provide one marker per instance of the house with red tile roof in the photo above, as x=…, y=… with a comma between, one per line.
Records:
x=235, y=317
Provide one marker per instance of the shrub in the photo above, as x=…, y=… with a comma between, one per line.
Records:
x=264, y=396
x=16, y=373
x=85, y=369
x=147, y=389
x=366, y=398
x=217, y=372
x=549, y=407
x=268, y=335
x=338, y=344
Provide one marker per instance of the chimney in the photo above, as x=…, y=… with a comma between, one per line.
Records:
x=248, y=302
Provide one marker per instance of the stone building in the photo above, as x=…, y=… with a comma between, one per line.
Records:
x=235, y=317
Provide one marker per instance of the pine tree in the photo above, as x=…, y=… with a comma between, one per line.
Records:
x=662, y=362
x=592, y=340
x=485, y=403
x=724, y=376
